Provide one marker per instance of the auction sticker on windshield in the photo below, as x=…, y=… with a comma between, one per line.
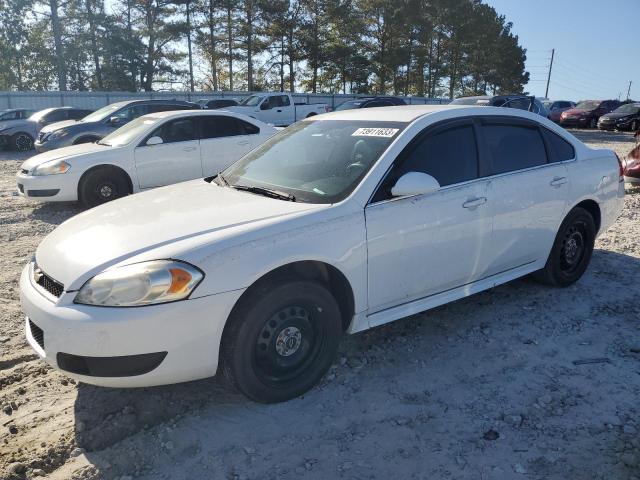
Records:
x=375, y=132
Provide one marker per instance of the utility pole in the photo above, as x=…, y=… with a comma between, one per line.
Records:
x=189, y=45
x=629, y=89
x=546, y=93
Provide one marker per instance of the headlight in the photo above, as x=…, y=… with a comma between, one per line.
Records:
x=53, y=167
x=146, y=283
x=57, y=134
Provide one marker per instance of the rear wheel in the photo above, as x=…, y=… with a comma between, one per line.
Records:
x=571, y=251
x=281, y=340
x=102, y=185
x=22, y=142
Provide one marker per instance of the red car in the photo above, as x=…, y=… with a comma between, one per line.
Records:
x=587, y=112
x=556, y=108
x=631, y=168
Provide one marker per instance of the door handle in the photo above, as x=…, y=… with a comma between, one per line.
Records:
x=474, y=202
x=558, y=181
x=278, y=110
x=188, y=149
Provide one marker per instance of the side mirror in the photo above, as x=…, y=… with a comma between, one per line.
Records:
x=115, y=120
x=155, y=140
x=415, y=183
x=264, y=105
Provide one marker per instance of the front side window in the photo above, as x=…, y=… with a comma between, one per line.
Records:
x=514, y=147
x=56, y=116
x=178, y=130
x=10, y=116
x=316, y=161
x=251, y=101
x=129, y=132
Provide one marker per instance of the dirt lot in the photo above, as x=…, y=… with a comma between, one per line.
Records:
x=485, y=388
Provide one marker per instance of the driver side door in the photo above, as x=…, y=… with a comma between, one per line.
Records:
x=422, y=245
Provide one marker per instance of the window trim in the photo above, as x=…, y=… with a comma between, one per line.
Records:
x=410, y=147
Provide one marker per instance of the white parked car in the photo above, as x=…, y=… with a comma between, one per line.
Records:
x=151, y=151
x=337, y=224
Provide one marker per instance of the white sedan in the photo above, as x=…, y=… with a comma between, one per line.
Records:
x=337, y=224
x=153, y=150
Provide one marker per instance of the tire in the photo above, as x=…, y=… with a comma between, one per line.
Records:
x=593, y=123
x=21, y=142
x=634, y=126
x=280, y=340
x=102, y=185
x=571, y=251
x=86, y=140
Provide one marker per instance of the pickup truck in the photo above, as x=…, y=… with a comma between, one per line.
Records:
x=278, y=109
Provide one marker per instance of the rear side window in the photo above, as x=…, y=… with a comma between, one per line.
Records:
x=559, y=149
x=450, y=156
x=514, y=147
x=179, y=130
x=248, y=128
x=78, y=114
x=220, y=126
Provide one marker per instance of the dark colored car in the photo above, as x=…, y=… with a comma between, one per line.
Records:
x=217, y=103
x=519, y=101
x=556, y=108
x=587, y=112
x=20, y=134
x=100, y=123
x=625, y=117
x=14, y=114
x=370, y=102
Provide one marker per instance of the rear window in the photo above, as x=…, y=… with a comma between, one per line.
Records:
x=559, y=149
x=514, y=147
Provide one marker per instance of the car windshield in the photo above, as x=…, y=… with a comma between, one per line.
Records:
x=628, y=108
x=251, y=101
x=349, y=105
x=129, y=132
x=38, y=115
x=101, y=114
x=315, y=161
x=588, y=105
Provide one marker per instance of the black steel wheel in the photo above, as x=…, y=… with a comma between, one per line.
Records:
x=102, y=185
x=281, y=339
x=571, y=251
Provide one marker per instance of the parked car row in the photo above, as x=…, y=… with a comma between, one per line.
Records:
x=337, y=224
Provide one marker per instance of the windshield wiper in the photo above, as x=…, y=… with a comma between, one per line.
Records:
x=218, y=179
x=267, y=192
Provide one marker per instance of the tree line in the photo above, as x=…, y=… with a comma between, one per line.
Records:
x=404, y=47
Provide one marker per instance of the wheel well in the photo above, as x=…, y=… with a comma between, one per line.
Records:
x=326, y=274
x=22, y=133
x=312, y=114
x=594, y=209
x=112, y=168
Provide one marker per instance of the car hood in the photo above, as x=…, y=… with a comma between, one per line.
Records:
x=165, y=222
x=65, y=153
x=241, y=109
x=52, y=127
x=16, y=123
x=577, y=111
x=615, y=116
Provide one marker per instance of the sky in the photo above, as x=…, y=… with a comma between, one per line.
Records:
x=597, y=46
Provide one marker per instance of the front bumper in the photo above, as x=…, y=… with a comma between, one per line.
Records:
x=574, y=122
x=49, y=188
x=52, y=144
x=632, y=180
x=184, y=336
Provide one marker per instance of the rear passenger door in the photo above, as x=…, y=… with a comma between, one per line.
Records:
x=426, y=244
x=175, y=160
x=528, y=187
x=223, y=140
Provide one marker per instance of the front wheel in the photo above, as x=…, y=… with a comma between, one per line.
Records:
x=571, y=251
x=634, y=125
x=22, y=142
x=102, y=185
x=281, y=340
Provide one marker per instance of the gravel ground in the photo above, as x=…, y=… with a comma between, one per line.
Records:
x=483, y=388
